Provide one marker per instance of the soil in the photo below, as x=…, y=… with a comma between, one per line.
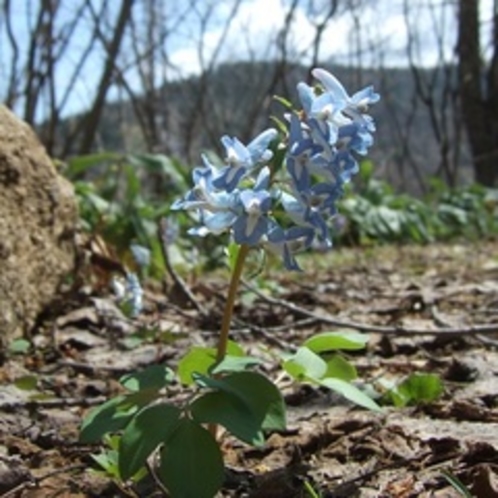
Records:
x=431, y=309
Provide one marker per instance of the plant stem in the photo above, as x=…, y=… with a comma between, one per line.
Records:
x=229, y=304
x=228, y=313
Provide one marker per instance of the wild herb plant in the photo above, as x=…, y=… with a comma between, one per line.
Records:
x=278, y=194
x=375, y=213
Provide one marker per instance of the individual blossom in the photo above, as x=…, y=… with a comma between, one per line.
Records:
x=255, y=205
x=215, y=208
x=241, y=160
x=134, y=294
x=335, y=96
x=130, y=293
x=301, y=151
x=285, y=243
x=141, y=255
x=313, y=207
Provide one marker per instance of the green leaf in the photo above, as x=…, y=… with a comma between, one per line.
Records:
x=133, y=187
x=351, y=392
x=366, y=170
x=152, y=377
x=26, y=382
x=108, y=461
x=330, y=341
x=229, y=411
x=304, y=363
x=285, y=102
x=79, y=164
x=111, y=416
x=172, y=170
x=200, y=360
x=235, y=349
x=235, y=364
x=149, y=428
x=457, y=484
x=311, y=493
x=420, y=388
x=99, y=203
x=191, y=462
x=197, y=360
x=260, y=396
x=391, y=219
x=281, y=126
x=340, y=368
x=108, y=417
x=19, y=346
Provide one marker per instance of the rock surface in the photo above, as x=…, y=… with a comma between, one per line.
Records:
x=38, y=215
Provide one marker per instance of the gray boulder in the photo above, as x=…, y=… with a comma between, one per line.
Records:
x=38, y=216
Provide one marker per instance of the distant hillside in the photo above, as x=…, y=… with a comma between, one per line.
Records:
x=236, y=99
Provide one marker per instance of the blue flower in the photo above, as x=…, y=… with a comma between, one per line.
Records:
x=292, y=214
x=303, y=214
x=214, y=223
x=141, y=255
x=240, y=160
x=202, y=195
x=129, y=292
x=355, y=136
x=336, y=100
x=252, y=221
x=217, y=209
x=285, y=243
x=306, y=96
x=301, y=148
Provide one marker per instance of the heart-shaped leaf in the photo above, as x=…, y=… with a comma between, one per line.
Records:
x=147, y=430
x=332, y=341
x=191, y=462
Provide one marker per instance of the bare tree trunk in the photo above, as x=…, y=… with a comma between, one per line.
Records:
x=13, y=90
x=479, y=95
x=434, y=88
x=93, y=117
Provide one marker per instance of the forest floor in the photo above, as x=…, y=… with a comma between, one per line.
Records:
x=430, y=309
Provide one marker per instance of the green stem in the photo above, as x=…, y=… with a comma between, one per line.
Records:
x=230, y=302
x=228, y=313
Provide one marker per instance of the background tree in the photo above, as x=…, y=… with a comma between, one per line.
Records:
x=478, y=86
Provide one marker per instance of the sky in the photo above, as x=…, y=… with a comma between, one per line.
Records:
x=376, y=35
x=383, y=31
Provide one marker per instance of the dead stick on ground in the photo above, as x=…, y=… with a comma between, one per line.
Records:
x=162, y=229
x=52, y=403
x=36, y=481
x=481, y=329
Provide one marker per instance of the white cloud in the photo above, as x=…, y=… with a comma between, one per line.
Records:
x=382, y=36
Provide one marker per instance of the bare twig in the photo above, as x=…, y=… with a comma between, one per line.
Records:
x=36, y=481
x=399, y=330
x=163, y=229
x=270, y=337
x=269, y=333
x=52, y=403
x=92, y=118
x=155, y=477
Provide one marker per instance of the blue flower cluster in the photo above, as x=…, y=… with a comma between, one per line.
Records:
x=245, y=197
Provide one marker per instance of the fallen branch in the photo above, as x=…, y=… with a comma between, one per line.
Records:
x=398, y=330
x=34, y=482
x=163, y=237
x=9, y=406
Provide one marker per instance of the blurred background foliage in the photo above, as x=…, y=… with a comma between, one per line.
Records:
x=115, y=205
